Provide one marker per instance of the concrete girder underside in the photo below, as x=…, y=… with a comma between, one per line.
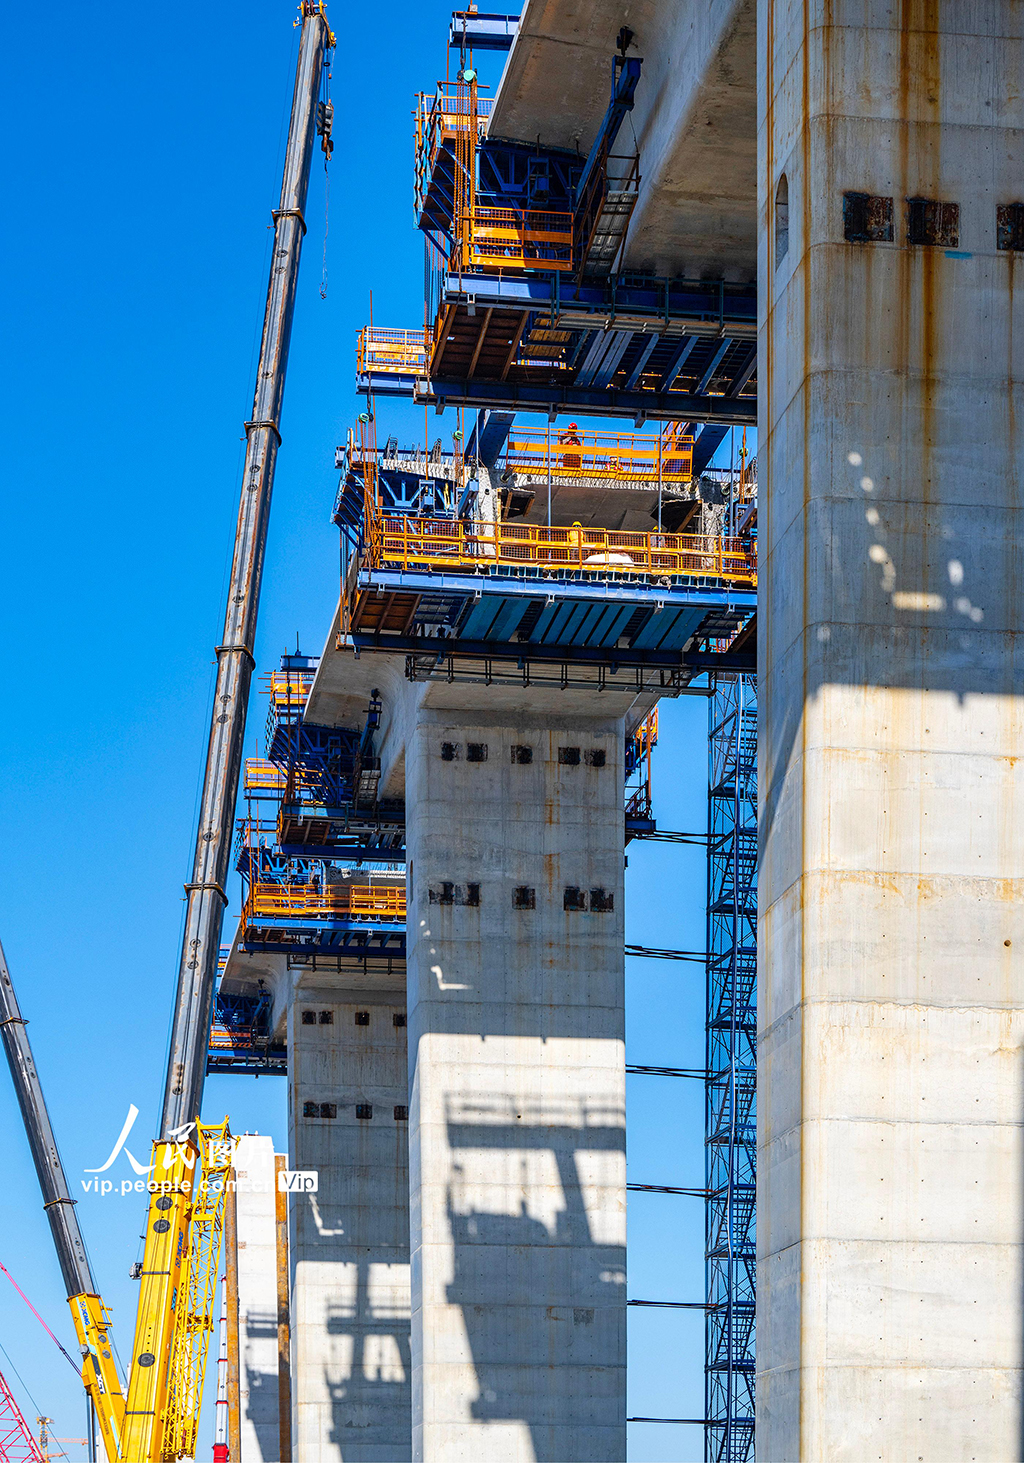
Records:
x=694, y=121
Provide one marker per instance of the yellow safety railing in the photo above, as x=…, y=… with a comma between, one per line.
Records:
x=439, y=543
x=626, y=456
x=514, y=238
x=484, y=237
x=290, y=688
x=297, y=783
x=646, y=735
x=263, y=776
x=638, y=799
x=391, y=351
x=296, y=901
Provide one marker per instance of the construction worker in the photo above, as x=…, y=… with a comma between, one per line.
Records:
x=571, y=461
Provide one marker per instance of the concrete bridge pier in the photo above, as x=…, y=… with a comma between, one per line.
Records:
x=348, y=1119
x=516, y=1043
x=891, y=981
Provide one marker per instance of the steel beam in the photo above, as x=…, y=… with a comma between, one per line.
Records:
x=471, y=31
x=641, y=362
x=675, y=406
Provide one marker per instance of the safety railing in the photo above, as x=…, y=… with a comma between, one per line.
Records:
x=289, y=692
x=455, y=112
x=513, y=238
x=333, y=901
x=437, y=543
x=290, y=688
x=398, y=352
x=297, y=784
x=639, y=801
x=455, y=115
x=624, y=189
x=627, y=456
x=261, y=776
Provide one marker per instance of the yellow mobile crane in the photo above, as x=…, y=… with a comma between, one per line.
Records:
x=157, y=1420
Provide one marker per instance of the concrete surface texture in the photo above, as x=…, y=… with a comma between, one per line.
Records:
x=257, y=1300
x=348, y=1101
x=891, y=1202
x=693, y=122
x=517, y=1136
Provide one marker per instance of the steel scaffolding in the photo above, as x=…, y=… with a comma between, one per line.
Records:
x=730, y=1125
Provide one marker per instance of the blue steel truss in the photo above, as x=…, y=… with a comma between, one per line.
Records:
x=730, y=1132
x=240, y=1038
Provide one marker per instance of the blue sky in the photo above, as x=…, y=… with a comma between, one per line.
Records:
x=146, y=159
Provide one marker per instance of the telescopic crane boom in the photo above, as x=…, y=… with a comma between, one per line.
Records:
x=206, y=899
x=99, y=1370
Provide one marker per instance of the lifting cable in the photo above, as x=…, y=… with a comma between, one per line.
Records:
x=325, y=123
x=42, y=1323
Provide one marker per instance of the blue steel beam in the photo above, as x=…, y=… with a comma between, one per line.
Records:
x=344, y=849
x=744, y=374
x=706, y=445
x=603, y=358
x=301, y=924
x=625, y=75
x=617, y=348
x=713, y=365
x=678, y=360
x=623, y=299
x=641, y=362
x=254, y=1063
x=555, y=399
x=391, y=947
x=474, y=31
x=696, y=661
x=489, y=435
x=597, y=345
x=670, y=596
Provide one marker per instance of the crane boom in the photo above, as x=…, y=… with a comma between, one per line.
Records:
x=206, y=899
x=91, y=1322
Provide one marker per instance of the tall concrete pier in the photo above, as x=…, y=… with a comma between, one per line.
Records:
x=348, y=1111
x=517, y=1073
x=891, y=1201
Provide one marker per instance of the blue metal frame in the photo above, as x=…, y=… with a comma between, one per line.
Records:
x=556, y=399
x=471, y=30
x=646, y=299
x=584, y=587
x=654, y=320
x=378, y=940
x=621, y=622
x=731, y=1130
x=245, y=1020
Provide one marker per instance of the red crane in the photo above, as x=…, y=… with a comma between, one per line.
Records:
x=17, y=1445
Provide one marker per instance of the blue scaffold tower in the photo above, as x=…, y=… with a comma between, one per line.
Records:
x=731, y=1124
